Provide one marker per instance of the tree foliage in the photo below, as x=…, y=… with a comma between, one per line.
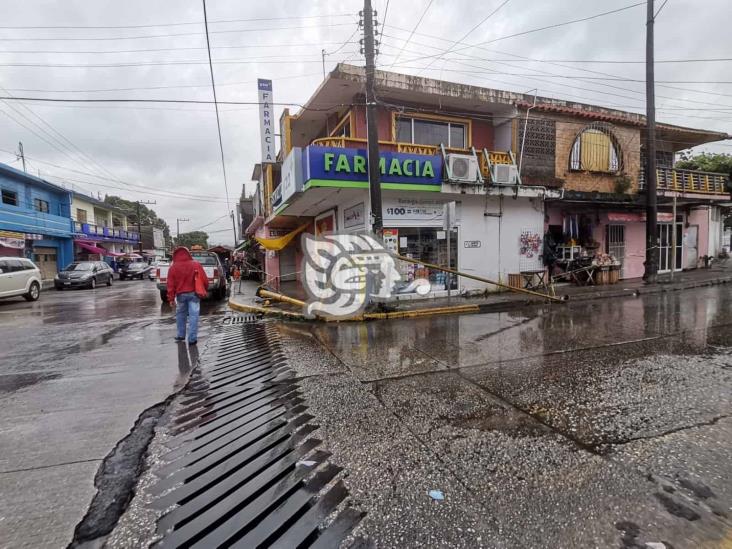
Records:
x=193, y=238
x=147, y=215
x=706, y=162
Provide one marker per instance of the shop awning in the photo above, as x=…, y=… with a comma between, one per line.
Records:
x=114, y=254
x=91, y=248
x=281, y=241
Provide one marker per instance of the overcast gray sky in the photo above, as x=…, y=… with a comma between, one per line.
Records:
x=165, y=152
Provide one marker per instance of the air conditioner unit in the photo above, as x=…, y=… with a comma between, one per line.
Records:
x=505, y=174
x=463, y=168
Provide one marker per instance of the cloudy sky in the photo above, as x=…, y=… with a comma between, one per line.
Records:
x=82, y=49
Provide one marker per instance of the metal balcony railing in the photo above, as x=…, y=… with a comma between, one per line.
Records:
x=688, y=181
x=496, y=157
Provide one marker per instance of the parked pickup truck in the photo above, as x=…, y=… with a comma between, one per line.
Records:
x=214, y=271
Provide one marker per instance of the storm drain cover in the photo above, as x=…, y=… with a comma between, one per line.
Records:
x=246, y=468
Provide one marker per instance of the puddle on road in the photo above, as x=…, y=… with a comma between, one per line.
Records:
x=13, y=382
x=500, y=419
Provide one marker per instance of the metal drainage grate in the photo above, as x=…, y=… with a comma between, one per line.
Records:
x=240, y=319
x=243, y=470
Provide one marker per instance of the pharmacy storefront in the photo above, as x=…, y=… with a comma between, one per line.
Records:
x=469, y=231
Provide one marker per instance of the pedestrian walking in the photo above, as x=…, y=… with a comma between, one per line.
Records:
x=187, y=283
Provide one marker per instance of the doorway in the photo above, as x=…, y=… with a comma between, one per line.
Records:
x=616, y=245
x=288, y=264
x=666, y=258
x=692, y=246
x=45, y=259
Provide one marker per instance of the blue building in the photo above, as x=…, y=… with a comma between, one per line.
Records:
x=35, y=220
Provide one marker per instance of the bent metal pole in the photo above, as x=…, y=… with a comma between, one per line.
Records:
x=480, y=279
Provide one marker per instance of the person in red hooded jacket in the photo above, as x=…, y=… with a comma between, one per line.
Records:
x=182, y=290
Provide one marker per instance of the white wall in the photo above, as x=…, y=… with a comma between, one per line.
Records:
x=498, y=254
x=715, y=231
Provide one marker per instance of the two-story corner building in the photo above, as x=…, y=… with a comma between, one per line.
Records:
x=100, y=230
x=597, y=156
x=504, y=178
x=440, y=146
x=35, y=220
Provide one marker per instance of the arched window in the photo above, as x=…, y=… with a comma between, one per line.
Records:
x=595, y=149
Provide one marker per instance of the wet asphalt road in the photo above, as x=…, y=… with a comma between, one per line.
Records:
x=598, y=424
x=77, y=368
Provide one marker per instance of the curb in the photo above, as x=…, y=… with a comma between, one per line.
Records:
x=470, y=308
x=634, y=292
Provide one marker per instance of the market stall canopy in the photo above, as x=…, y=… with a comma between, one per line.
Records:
x=133, y=256
x=114, y=254
x=280, y=242
x=91, y=248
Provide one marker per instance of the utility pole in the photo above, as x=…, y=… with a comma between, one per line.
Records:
x=233, y=223
x=139, y=223
x=651, y=264
x=371, y=123
x=177, y=231
x=322, y=52
x=21, y=154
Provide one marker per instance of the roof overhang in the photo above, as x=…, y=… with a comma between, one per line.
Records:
x=346, y=85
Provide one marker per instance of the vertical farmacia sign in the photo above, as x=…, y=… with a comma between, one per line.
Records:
x=266, y=120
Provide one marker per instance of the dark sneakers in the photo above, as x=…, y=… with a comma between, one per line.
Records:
x=192, y=343
x=180, y=338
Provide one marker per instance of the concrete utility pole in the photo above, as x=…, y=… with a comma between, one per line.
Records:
x=177, y=230
x=233, y=223
x=21, y=154
x=372, y=132
x=139, y=223
x=651, y=264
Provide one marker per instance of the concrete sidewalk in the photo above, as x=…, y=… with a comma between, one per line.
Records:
x=244, y=294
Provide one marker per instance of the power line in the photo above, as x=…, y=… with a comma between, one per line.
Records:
x=176, y=24
x=157, y=63
x=130, y=186
x=44, y=135
x=433, y=37
x=575, y=68
x=171, y=35
x=547, y=27
x=419, y=21
x=191, y=48
x=476, y=26
x=182, y=101
x=206, y=85
x=212, y=222
x=216, y=108
x=659, y=9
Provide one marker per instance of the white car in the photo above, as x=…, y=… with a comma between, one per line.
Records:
x=19, y=277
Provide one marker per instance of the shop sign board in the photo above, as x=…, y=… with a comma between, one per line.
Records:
x=292, y=176
x=353, y=216
x=414, y=209
x=266, y=121
x=12, y=234
x=344, y=167
x=472, y=243
x=8, y=242
x=630, y=217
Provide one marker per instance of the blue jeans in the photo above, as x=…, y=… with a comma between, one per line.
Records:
x=188, y=307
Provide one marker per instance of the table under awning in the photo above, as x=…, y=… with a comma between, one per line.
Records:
x=90, y=247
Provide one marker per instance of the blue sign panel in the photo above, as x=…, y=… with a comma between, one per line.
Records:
x=343, y=167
